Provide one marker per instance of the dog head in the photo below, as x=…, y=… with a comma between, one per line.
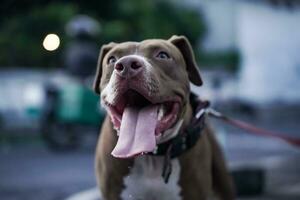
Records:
x=145, y=89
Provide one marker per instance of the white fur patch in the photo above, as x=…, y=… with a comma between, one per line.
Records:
x=110, y=90
x=145, y=181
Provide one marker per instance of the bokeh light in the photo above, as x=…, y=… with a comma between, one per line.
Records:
x=51, y=42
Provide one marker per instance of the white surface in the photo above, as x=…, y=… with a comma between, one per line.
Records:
x=269, y=40
x=89, y=194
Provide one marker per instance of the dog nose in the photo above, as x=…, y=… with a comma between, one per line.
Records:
x=129, y=66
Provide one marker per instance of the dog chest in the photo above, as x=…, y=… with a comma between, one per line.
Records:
x=145, y=182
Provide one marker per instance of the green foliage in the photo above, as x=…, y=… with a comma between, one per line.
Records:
x=138, y=20
x=21, y=36
x=229, y=60
x=22, y=33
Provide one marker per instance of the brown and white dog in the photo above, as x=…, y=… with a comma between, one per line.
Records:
x=145, y=89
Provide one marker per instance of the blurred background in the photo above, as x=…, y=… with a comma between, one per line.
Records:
x=248, y=53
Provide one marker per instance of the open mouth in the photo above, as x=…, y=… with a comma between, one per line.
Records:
x=139, y=120
x=166, y=113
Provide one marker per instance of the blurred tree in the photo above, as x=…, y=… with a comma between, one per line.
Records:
x=21, y=36
x=23, y=26
x=154, y=19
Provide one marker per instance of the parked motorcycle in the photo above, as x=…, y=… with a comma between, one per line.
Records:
x=71, y=116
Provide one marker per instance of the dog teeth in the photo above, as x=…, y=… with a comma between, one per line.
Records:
x=117, y=129
x=158, y=137
x=161, y=112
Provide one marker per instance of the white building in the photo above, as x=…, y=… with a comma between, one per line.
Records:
x=268, y=39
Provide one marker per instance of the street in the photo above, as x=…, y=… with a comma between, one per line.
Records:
x=32, y=172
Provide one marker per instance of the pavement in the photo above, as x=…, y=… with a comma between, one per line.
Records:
x=32, y=172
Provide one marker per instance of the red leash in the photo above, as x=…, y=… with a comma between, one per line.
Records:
x=248, y=127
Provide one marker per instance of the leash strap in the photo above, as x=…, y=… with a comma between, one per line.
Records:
x=250, y=128
x=184, y=141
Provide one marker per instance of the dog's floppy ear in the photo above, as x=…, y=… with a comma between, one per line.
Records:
x=104, y=50
x=182, y=43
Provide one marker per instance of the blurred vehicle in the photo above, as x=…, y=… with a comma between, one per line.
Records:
x=71, y=111
x=66, y=113
x=72, y=108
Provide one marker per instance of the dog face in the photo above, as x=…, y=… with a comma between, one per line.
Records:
x=145, y=89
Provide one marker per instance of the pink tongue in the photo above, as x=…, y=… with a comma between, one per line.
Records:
x=137, y=132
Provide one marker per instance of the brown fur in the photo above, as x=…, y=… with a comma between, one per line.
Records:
x=202, y=168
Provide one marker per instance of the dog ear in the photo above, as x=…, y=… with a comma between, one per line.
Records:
x=182, y=43
x=104, y=50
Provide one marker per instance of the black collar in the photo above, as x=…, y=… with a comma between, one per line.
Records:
x=185, y=140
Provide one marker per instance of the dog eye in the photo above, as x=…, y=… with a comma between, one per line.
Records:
x=163, y=55
x=111, y=60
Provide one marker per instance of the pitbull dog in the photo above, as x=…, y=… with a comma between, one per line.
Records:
x=145, y=88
